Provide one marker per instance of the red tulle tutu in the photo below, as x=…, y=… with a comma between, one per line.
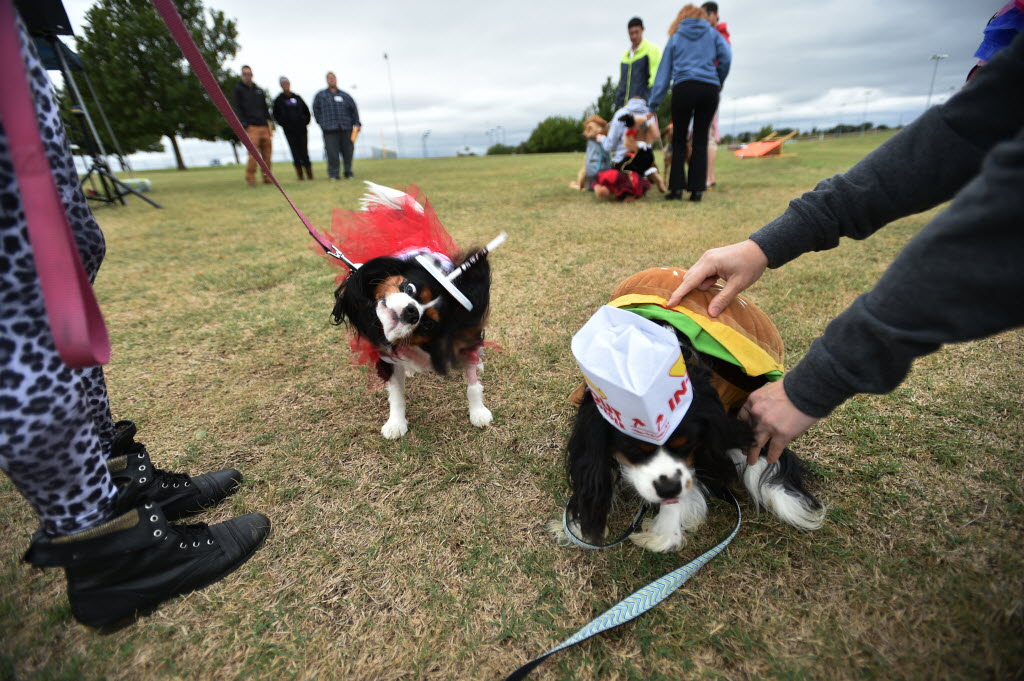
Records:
x=381, y=230
x=623, y=183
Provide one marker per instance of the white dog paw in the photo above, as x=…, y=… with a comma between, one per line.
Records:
x=394, y=428
x=480, y=416
x=554, y=527
x=661, y=543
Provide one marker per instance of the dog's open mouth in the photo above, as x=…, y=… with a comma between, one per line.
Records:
x=666, y=502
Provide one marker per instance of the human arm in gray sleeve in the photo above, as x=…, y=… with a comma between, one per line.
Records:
x=960, y=278
x=917, y=169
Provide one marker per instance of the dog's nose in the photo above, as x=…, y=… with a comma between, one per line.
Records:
x=668, y=488
x=410, y=315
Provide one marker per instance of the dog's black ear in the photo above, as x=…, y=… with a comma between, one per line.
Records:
x=588, y=465
x=463, y=329
x=628, y=120
x=475, y=284
x=440, y=349
x=352, y=298
x=338, y=313
x=354, y=302
x=714, y=430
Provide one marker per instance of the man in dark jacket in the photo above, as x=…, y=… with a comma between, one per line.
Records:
x=292, y=114
x=639, y=64
x=251, y=107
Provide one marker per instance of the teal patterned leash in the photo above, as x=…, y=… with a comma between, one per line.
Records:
x=638, y=602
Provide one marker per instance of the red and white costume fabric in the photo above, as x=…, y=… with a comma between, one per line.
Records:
x=623, y=183
x=392, y=223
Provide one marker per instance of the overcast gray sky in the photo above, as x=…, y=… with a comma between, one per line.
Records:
x=463, y=68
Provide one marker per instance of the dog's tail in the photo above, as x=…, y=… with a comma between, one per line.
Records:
x=779, y=487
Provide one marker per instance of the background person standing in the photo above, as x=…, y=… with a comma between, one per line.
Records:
x=712, y=10
x=337, y=115
x=696, y=63
x=292, y=114
x=251, y=107
x=638, y=67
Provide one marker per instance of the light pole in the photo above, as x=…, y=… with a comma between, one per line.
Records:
x=394, y=111
x=935, y=58
x=425, y=136
x=863, y=130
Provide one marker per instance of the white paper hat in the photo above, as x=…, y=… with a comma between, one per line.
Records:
x=636, y=373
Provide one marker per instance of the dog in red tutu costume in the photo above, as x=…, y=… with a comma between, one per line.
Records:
x=416, y=302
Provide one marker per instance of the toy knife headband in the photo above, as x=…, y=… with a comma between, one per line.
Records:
x=448, y=280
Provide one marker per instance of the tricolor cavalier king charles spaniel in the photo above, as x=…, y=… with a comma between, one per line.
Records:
x=704, y=454
x=409, y=323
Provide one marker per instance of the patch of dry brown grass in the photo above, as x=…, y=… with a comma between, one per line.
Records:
x=427, y=558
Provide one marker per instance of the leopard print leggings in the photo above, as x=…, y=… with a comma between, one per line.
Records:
x=55, y=422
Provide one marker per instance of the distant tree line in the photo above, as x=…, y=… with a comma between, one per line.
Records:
x=565, y=133
x=750, y=136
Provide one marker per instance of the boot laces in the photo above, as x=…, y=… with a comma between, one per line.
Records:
x=165, y=478
x=173, y=480
x=194, y=535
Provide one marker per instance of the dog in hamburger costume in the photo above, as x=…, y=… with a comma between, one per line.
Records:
x=658, y=412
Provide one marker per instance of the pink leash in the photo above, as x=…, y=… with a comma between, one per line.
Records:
x=188, y=47
x=75, y=318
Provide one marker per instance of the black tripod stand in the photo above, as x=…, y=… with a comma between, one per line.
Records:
x=112, y=188
x=103, y=187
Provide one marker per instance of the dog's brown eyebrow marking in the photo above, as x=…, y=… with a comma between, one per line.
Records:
x=387, y=286
x=426, y=295
x=621, y=458
x=677, y=442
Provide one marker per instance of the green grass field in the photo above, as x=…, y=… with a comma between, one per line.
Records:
x=428, y=558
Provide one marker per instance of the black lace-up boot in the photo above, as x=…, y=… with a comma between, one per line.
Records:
x=178, y=494
x=129, y=565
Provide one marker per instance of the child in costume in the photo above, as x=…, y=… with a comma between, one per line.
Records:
x=597, y=159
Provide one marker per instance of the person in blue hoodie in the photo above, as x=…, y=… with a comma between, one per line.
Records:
x=695, y=62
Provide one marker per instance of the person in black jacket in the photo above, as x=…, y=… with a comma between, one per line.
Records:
x=292, y=114
x=251, y=107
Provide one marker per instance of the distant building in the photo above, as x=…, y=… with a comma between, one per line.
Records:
x=377, y=152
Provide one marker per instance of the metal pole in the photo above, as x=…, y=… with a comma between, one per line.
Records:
x=864, y=128
x=936, y=58
x=121, y=158
x=394, y=111
x=66, y=71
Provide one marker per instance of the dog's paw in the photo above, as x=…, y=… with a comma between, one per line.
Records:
x=480, y=416
x=661, y=543
x=554, y=527
x=557, y=531
x=394, y=428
